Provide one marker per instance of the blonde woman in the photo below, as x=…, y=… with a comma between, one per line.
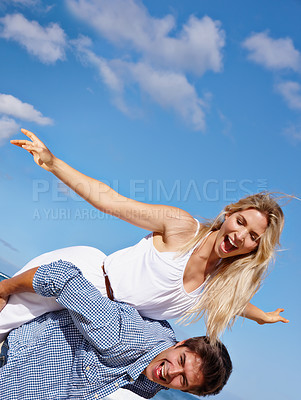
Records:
x=183, y=269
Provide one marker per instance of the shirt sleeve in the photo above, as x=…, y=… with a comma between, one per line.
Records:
x=146, y=392
x=96, y=317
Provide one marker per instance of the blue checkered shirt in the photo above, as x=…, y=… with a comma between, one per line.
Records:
x=87, y=351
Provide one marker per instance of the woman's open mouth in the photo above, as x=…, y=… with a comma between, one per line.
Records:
x=228, y=245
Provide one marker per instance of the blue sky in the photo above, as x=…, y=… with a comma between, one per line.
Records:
x=192, y=104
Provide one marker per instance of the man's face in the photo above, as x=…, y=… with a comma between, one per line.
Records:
x=176, y=368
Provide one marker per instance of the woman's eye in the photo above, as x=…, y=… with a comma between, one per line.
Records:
x=239, y=221
x=254, y=238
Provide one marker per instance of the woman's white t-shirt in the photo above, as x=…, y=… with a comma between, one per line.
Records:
x=140, y=275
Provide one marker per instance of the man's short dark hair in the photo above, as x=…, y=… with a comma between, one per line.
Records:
x=216, y=364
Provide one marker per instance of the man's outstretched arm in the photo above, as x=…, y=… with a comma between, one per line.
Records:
x=18, y=284
x=95, y=316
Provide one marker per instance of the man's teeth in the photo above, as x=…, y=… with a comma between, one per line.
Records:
x=231, y=241
x=163, y=372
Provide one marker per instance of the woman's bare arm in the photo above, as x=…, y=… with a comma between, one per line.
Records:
x=156, y=218
x=256, y=314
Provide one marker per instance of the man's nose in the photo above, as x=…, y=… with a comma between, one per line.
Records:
x=175, y=370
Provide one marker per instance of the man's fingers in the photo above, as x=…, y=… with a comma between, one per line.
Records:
x=2, y=304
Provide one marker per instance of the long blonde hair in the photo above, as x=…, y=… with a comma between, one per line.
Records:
x=236, y=279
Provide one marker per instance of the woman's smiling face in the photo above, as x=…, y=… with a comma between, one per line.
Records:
x=240, y=233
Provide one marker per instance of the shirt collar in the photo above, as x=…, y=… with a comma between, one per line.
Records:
x=142, y=362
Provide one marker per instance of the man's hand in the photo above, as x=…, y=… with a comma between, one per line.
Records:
x=41, y=154
x=17, y=284
x=2, y=303
x=3, y=295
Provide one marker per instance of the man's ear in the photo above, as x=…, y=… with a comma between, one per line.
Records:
x=180, y=343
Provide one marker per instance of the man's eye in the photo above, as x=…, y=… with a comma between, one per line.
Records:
x=182, y=359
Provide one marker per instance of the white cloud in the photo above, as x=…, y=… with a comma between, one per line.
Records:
x=105, y=71
x=196, y=48
x=274, y=54
x=158, y=55
x=170, y=90
x=291, y=91
x=14, y=107
x=227, y=125
x=167, y=88
x=293, y=133
x=122, y=20
x=23, y=2
x=8, y=128
x=83, y=47
x=48, y=44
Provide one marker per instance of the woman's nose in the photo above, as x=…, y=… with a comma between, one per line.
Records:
x=242, y=234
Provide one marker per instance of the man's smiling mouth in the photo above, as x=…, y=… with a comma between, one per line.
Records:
x=161, y=372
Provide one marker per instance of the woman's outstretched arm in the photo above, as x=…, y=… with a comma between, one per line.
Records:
x=256, y=314
x=157, y=218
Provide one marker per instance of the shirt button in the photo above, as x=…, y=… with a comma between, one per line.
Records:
x=96, y=396
x=88, y=369
x=116, y=384
x=131, y=380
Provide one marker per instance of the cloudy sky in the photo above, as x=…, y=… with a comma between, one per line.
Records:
x=188, y=103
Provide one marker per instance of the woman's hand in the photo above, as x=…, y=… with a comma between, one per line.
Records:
x=272, y=317
x=256, y=314
x=41, y=154
x=176, y=225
